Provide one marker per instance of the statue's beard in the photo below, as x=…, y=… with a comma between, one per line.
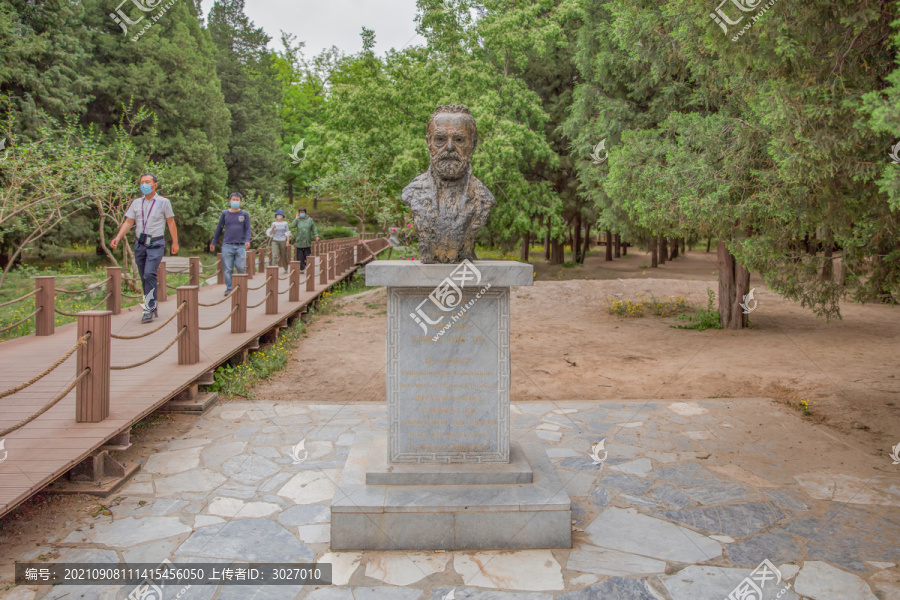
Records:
x=450, y=165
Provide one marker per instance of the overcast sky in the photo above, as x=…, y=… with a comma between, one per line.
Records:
x=325, y=23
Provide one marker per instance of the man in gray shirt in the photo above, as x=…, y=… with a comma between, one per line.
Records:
x=152, y=213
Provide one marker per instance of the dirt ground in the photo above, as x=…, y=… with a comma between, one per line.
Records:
x=565, y=346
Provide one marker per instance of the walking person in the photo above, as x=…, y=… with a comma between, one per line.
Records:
x=279, y=233
x=152, y=213
x=303, y=230
x=234, y=226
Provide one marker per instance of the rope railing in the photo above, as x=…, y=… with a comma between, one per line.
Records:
x=135, y=296
x=261, y=303
x=145, y=361
x=81, y=342
x=215, y=264
x=102, y=300
x=20, y=298
x=288, y=276
x=19, y=322
x=222, y=322
x=259, y=287
x=152, y=331
x=86, y=290
x=236, y=288
x=288, y=288
x=48, y=406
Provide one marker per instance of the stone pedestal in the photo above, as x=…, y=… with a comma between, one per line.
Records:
x=446, y=475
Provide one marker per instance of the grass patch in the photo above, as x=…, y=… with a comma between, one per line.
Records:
x=704, y=318
x=241, y=380
x=642, y=306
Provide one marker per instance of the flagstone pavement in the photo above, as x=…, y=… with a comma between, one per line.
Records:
x=674, y=512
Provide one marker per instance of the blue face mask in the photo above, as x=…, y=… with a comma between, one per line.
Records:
x=146, y=188
x=235, y=204
x=302, y=216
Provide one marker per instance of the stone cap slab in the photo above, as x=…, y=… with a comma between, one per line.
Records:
x=399, y=273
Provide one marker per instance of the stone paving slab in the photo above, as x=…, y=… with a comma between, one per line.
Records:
x=674, y=512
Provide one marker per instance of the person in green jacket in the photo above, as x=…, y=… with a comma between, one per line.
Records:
x=303, y=230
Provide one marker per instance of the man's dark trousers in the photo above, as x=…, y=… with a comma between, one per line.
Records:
x=148, y=259
x=302, y=253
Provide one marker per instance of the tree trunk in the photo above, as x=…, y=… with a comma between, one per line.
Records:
x=315, y=202
x=663, y=250
x=526, y=242
x=624, y=249
x=654, y=258
x=734, y=284
x=682, y=246
x=708, y=242
x=547, y=245
x=609, y=246
x=617, y=239
x=291, y=191
x=586, y=242
x=557, y=252
x=576, y=240
x=828, y=267
x=673, y=249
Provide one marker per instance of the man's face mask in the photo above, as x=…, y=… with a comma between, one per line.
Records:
x=235, y=204
x=302, y=215
x=146, y=188
x=278, y=217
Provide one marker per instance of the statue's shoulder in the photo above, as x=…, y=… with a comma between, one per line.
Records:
x=417, y=188
x=480, y=192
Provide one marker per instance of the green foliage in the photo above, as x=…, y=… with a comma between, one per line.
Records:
x=252, y=91
x=261, y=364
x=330, y=233
x=658, y=307
x=704, y=318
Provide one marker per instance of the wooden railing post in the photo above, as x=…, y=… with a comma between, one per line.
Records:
x=331, y=260
x=251, y=263
x=194, y=271
x=294, y=281
x=356, y=254
x=44, y=303
x=220, y=272
x=239, y=300
x=189, y=322
x=262, y=260
x=311, y=273
x=92, y=392
x=272, y=290
x=114, y=289
x=162, y=289
x=323, y=268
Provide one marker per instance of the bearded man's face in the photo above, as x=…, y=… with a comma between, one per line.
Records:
x=451, y=142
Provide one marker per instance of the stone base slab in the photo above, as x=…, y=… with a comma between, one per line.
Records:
x=450, y=517
x=380, y=472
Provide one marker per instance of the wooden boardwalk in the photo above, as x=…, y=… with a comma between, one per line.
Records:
x=41, y=451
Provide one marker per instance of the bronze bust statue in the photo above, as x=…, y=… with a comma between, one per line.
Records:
x=449, y=205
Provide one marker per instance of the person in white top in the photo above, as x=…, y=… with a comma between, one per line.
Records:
x=151, y=212
x=279, y=233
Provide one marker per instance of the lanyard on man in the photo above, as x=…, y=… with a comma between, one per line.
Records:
x=150, y=213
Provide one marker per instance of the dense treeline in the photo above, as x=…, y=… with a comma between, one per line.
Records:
x=649, y=121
